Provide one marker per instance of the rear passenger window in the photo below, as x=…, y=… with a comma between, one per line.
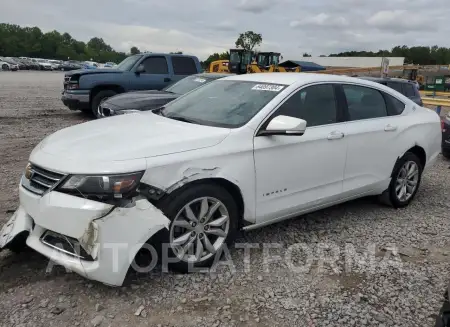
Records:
x=364, y=102
x=315, y=104
x=394, y=106
x=395, y=86
x=183, y=66
x=409, y=90
x=155, y=65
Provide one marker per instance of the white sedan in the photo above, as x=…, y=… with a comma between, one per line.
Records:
x=239, y=153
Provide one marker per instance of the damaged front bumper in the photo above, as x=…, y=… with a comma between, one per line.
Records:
x=94, y=239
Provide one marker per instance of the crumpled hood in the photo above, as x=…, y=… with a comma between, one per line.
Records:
x=139, y=99
x=132, y=136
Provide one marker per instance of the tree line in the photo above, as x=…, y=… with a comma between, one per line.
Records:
x=18, y=41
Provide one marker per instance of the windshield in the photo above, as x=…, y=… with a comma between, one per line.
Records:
x=235, y=57
x=223, y=103
x=187, y=84
x=128, y=62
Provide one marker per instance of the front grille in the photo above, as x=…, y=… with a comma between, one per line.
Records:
x=40, y=180
x=65, y=244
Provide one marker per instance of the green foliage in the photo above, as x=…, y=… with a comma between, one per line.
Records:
x=16, y=41
x=215, y=56
x=248, y=40
x=419, y=55
x=134, y=51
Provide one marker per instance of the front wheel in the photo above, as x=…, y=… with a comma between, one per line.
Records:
x=97, y=99
x=204, y=220
x=5, y=67
x=405, y=180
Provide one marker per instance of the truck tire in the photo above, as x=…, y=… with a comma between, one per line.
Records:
x=98, y=98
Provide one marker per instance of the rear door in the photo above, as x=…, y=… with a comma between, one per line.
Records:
x=156, y=75
x=182, y=66
x=371, y=133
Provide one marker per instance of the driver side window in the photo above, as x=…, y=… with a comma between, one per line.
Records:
x=316, y=104
x=155, y=65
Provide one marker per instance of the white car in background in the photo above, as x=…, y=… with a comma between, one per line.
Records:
x=4, y=65
x=238, y=153
x=7, y=64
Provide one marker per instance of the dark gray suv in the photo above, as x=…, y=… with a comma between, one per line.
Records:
x=405, y=87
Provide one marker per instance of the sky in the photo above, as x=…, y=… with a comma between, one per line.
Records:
x=202, y=27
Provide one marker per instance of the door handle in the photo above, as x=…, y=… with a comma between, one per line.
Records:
x=335, y=135
x=167, y=79
x=390, y=128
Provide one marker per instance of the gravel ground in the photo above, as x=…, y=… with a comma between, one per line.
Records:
x=368, y=265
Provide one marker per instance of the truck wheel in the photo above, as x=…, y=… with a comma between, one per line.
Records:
x=98, y=98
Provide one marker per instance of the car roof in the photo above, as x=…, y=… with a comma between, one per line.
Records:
x=292, y=78
x=385, y=79
x=212, y=75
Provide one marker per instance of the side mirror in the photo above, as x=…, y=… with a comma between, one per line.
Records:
x=285, y=125
x=140, y=69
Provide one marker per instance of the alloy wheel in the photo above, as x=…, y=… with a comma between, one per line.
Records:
x=199, y=229
x=407, y=181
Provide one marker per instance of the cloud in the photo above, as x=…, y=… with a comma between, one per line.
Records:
x=202, y=27
x=321, y=19
x=400, y=20
x=225, y=26
x=255, y=6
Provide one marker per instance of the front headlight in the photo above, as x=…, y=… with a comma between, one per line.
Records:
x=101, y=186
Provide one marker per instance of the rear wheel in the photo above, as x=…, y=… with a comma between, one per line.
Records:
x=204, y=220
x=405, y=181
x=98, y=98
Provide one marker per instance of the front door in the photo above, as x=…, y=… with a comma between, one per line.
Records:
x=156, y=74
x=294, y=173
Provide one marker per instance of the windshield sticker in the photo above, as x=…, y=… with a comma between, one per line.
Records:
x=268, y=87
x=200, y=80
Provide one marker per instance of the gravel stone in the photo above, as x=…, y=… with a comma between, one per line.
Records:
x=97, y=321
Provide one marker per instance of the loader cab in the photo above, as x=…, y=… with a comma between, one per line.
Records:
x=239, y=59
x=266, y=59
x=410, y=73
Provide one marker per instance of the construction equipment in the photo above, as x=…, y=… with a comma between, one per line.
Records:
x=244, y=62
x=219, y=66
x=240, y=59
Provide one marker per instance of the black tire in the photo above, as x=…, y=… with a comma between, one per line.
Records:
x=446, y=153
x=98, y=98
x=173, y=203
x=390, y=194
x=5, y=67
x=18, y=244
